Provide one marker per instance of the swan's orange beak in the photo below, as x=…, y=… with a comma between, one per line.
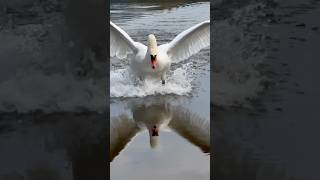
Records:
x=153, y=61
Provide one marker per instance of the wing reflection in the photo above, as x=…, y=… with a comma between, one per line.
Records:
x=155, y=118
x=192, y=127
x=122, y=130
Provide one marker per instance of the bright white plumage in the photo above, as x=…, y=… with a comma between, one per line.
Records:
x=156, y=60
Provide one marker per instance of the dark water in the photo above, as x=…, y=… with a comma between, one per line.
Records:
x=52, y=56
x=180, y=108
x=64, y=146
x=47, y=55
x=276, y=139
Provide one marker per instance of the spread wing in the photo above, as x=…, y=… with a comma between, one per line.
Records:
x=121, y=43
x=189, y=42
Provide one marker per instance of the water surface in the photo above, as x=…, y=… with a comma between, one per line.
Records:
x=180, y=108
x=275, y=138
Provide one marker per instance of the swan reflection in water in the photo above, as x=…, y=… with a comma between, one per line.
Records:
x=155, y=118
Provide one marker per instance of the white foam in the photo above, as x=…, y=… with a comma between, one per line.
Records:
x=122, y=84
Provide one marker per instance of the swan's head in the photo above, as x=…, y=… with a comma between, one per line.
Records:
x=155, y=131
x=154, y=137
x=153, y=50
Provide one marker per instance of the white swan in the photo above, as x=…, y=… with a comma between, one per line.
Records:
x=154, y=60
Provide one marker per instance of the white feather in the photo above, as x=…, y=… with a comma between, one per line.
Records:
x=189, y=42
x=121, y=43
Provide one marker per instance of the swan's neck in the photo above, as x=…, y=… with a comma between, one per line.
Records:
x=152, y=45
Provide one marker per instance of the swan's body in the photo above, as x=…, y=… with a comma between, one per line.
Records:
x=141, y=64
x=154, y=60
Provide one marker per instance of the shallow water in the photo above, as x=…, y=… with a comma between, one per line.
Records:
x=181, y=108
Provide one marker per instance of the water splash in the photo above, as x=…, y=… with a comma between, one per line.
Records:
x=123, y=84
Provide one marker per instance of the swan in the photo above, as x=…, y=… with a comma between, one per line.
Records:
x=153, y=60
